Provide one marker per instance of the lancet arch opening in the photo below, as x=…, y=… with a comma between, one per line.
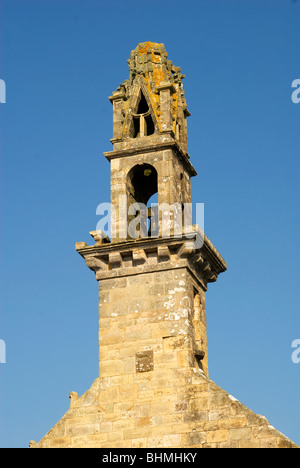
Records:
x=142, y=121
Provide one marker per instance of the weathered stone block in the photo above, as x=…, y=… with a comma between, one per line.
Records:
x=220, y=435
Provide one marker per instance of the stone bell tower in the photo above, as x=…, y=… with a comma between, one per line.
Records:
x=153, y=388
x=152, y=282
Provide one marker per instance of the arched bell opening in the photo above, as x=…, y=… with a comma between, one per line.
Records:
x=142, y=187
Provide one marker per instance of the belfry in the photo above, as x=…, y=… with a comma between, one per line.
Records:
x=153, y=270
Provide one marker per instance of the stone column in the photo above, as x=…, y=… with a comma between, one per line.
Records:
x=165, y=91
x=117, y=101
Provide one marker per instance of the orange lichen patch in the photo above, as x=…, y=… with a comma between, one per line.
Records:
x=158, y=74
x=143, y=47
x=149, y=63
x=156, y=58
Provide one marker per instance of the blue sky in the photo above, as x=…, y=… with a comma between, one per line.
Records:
x=60, y=61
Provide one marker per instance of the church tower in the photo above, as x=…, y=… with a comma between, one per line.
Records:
x=152, y=277
x=153, y=388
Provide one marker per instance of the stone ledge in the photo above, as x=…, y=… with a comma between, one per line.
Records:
x=129, y=150
x=134, y=257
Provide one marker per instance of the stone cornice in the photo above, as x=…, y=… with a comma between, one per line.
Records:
x=151, y=148
x=111, y=260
